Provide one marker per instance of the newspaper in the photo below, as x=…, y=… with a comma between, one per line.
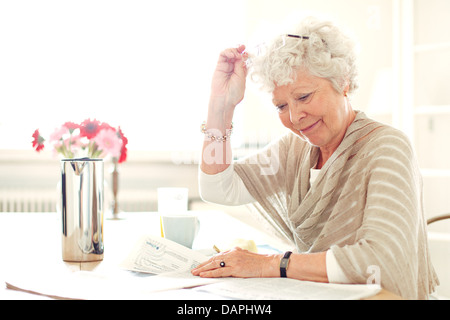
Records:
x=159, y=255
x=289, y=289
x=155, y=255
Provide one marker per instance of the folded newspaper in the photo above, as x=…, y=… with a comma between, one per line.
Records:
x=159, y=255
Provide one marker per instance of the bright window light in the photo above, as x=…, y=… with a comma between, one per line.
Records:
x=143, y=65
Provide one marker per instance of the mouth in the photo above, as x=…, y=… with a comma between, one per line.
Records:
x=310, y=128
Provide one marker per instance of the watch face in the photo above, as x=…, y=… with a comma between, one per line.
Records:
x=284, y=264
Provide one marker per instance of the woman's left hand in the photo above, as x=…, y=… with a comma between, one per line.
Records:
x=239, y=263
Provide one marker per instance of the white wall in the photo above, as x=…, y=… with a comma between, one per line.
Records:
x=431, y=92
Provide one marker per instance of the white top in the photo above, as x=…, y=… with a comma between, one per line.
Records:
x=227, y=188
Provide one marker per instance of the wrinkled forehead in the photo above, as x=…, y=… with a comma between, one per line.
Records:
x=302, y=82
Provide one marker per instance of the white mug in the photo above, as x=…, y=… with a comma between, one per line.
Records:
x=180, y=228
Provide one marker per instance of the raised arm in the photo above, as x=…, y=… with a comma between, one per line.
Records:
x=227, y=91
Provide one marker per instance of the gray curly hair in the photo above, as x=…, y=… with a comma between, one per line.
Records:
x=326, y=53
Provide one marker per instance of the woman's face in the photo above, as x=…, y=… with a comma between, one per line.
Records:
x=314, y=110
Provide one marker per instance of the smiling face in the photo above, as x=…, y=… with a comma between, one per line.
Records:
x=314, y=110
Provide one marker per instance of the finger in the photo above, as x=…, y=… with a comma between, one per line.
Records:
x=217, y=273
x=240, y=48
x=211, y=264
x=236, y=51
x=233, y=53
x=229, y=54
x=202, y=267
x=202, y=264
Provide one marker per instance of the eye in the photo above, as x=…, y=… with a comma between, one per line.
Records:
x=305, y=97
x=281, y=108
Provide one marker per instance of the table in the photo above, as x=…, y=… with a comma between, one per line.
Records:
x=33, y=240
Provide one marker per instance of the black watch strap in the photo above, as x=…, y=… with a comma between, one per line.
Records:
x=284, y=264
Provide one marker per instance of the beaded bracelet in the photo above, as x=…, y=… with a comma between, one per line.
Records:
x=212, y=137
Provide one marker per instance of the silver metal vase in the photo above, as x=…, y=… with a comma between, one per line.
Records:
x=82, y=209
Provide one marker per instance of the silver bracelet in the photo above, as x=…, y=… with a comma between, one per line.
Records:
x=210, y=136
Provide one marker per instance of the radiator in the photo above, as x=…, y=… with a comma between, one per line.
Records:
x=45, y=200
x=27, y=200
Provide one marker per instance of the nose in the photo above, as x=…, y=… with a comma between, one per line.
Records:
x=296, y=114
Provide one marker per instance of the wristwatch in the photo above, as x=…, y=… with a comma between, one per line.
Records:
x=284, y=264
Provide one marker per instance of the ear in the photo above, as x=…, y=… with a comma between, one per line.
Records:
x=346, y=88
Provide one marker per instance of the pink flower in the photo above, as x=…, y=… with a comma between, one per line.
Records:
x=108, y=141
x=124, y=150
x=71, y=126
x=38, y=141
x=58, y=134
x=91, y=138
x=90, y=128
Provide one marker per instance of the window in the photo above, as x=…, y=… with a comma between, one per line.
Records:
x=143, y=65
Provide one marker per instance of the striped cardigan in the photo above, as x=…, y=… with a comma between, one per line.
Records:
x=365, y=205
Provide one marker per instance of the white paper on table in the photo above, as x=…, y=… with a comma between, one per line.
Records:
x=95, y=285
x=288, y=289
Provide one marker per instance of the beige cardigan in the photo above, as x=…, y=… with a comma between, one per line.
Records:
x=366, y=204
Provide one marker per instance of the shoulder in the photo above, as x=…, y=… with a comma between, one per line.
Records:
x=387, y=140
x=389, y=153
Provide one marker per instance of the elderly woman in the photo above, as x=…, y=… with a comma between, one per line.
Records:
x=344, y=189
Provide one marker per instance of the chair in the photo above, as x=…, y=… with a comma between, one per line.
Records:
x=438, y=218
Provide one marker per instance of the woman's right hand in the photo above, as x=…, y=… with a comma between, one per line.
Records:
x=227, y=90
x=228, y=83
